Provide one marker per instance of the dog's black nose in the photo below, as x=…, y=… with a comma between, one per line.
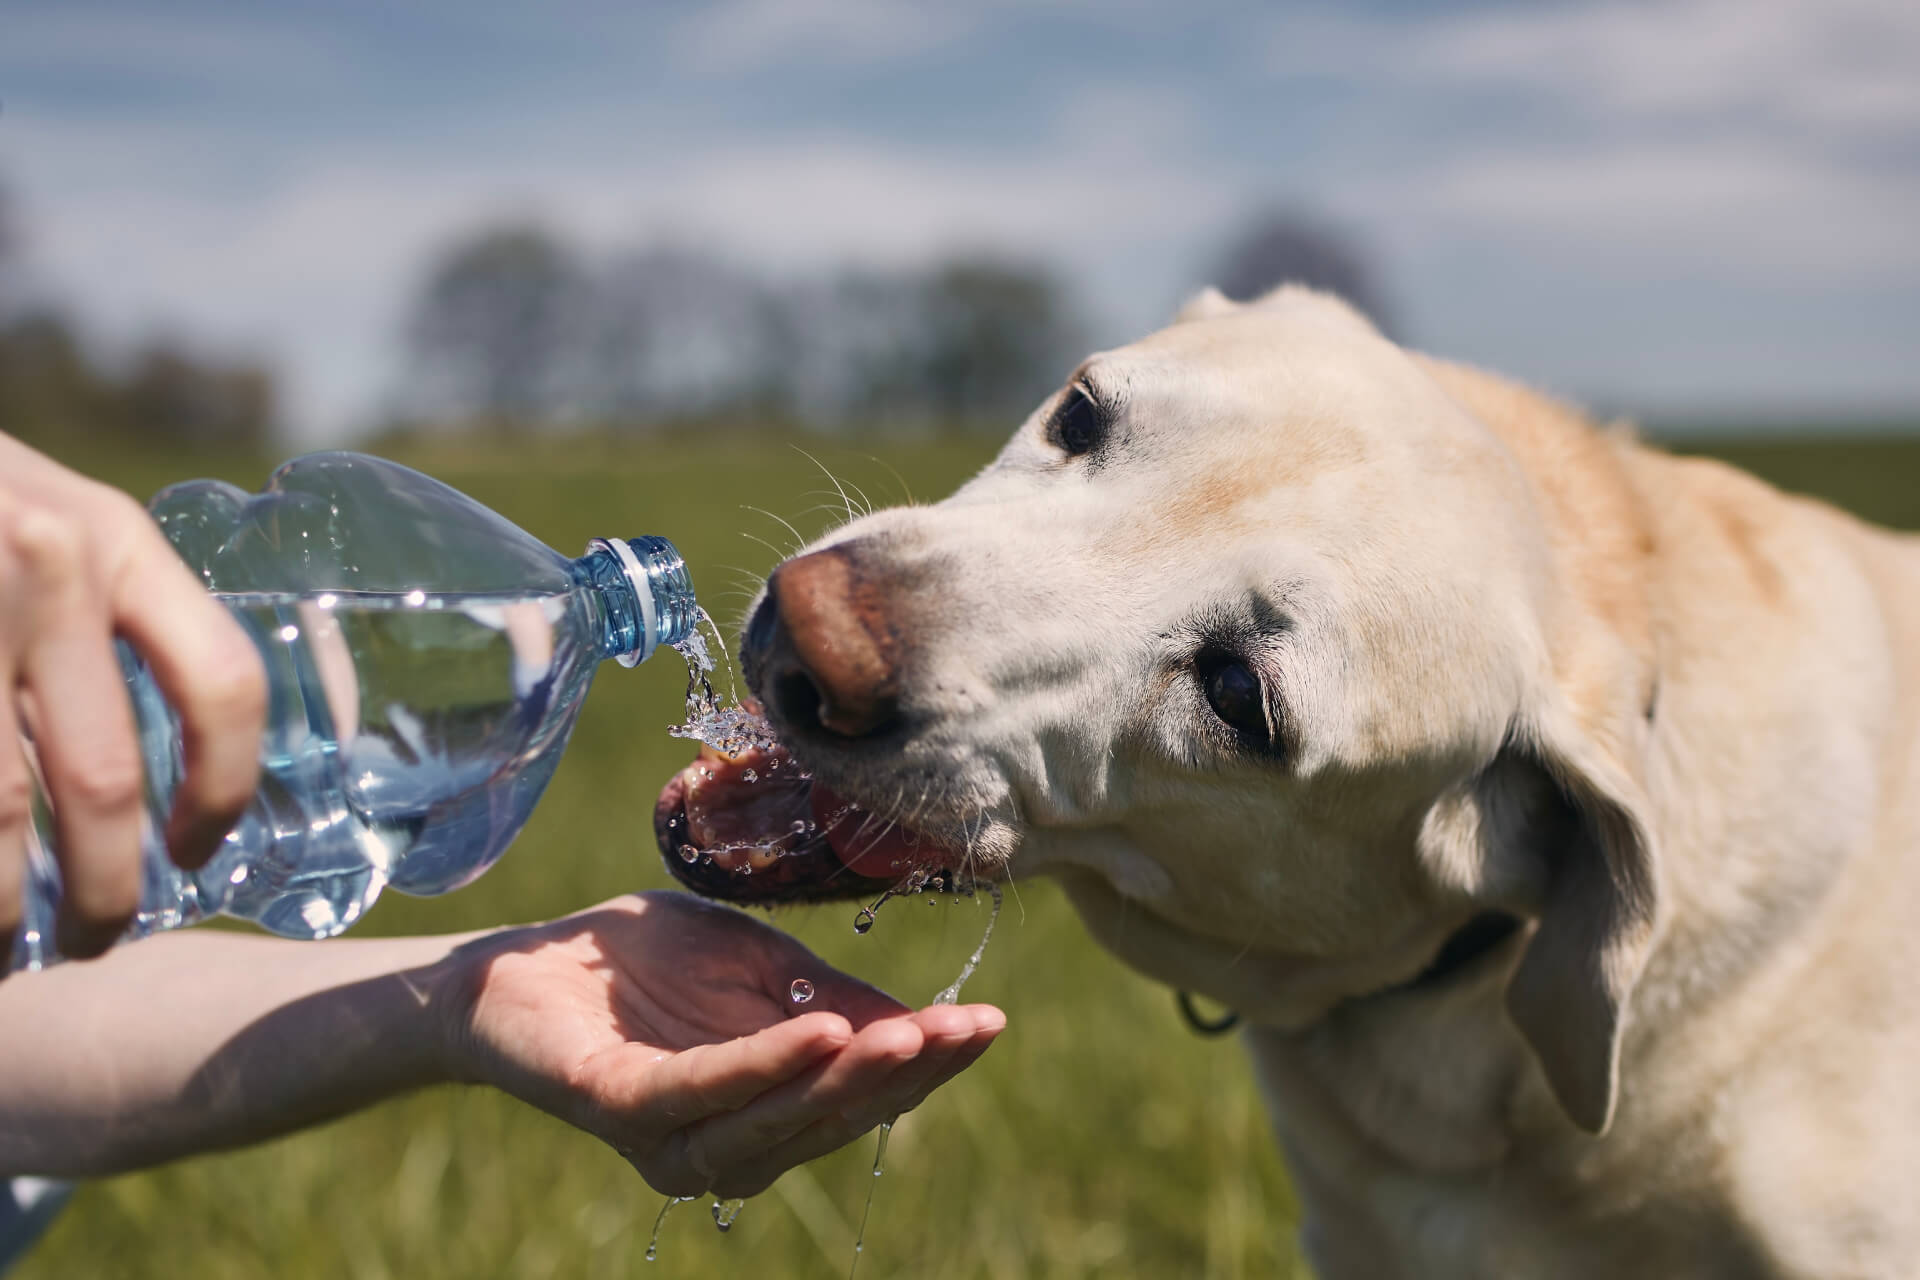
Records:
x=822, y=651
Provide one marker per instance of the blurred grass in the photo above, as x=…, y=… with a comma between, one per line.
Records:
x=1098, y=1137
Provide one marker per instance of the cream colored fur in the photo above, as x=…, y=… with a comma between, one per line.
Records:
x=1661, y=712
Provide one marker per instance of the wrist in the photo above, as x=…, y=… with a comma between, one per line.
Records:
x=449, y=990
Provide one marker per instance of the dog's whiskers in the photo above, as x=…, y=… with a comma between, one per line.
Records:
x=778, y=553
x=846, y=501
x=799, y=540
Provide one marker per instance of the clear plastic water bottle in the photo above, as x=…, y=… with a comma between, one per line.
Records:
x=426, y=661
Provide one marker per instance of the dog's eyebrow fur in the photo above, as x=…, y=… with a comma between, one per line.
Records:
x=1103, y=393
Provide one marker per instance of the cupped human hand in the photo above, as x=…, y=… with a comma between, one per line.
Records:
x=667, y=1026
x=79, y=564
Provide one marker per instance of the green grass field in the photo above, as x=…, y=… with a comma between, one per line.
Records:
x=1098, y=1137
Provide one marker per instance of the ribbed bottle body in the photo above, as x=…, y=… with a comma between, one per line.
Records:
x=420, y=696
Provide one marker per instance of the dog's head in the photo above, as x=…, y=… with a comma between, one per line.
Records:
x=1273, y=653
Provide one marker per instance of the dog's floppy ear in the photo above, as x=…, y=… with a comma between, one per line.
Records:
x=1569, y=996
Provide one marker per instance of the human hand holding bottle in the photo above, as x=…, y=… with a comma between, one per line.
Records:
x=81, y=563
x=659, y=1023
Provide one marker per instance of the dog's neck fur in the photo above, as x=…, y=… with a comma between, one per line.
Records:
x=1420, y=1133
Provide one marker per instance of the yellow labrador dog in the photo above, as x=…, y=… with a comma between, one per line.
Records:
x=1546, y=805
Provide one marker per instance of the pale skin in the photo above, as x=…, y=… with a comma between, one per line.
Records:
x=79, y=564
x=661, y=1024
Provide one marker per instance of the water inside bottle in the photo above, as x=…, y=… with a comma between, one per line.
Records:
x=410, y=736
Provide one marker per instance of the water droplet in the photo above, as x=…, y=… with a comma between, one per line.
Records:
x=952, y=994
x=799, y=826
x=689, y=854
x=725, y=1211
x=801, y=991
x=863, y=921
x=751, y=776
x=653, y=1243
x=879, y=1157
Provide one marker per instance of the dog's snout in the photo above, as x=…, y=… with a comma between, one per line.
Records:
x=822, y=650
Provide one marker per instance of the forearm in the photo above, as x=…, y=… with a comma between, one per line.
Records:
x=200, y=1040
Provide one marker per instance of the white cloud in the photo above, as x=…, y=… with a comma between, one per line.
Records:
x=1715, y=143
x=1844, y=64
x=1825, y=63
x=1716, y=137
x=315, y=266
x=1731, y=211
x=743, y=35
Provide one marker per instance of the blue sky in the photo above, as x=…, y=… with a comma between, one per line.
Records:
x=1704, y=206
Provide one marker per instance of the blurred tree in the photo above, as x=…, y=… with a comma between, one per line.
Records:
x=1283, y=246
x=52, y=393
x=997, y=336
x=510, y=330
x=11, y=255
x=493, y=327
x=676, y=333
x=193, y=402
x=867, y=335
x=964, y=343
x=47, y=388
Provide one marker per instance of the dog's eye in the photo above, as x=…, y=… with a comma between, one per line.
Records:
x=1077, y=424
x=1233, y=692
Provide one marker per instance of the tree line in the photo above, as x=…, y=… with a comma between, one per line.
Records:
x=54, y=390
x=513, y=330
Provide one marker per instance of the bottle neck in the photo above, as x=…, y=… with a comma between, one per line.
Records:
x=645, y=592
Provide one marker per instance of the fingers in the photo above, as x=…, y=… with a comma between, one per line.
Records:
x=961, y=1034
x=855, y=1075
x=211, y=674
x=80, y=563
x=960, y=1037
x=643, y=1099
x=84, y=737
x=16, y=810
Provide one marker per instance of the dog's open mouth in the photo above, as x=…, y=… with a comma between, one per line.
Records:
x=748, y=824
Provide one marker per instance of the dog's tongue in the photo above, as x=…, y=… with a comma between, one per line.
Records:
x=865, y=845
x=737, y=801
x=749, y=808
